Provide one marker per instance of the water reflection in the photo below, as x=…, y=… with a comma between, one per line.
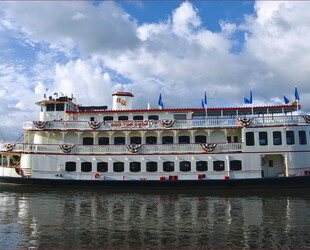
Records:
x=64, y=218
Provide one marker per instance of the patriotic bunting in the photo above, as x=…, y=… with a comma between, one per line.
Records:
x=95, y=124
x=66, y=148
x=9, y=146
x=245, y=121
x=134, y=148
x=167, y=123
x=208, y=147
x=306, y=118
x=40, y=124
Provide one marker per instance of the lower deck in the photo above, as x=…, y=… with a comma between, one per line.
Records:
x=157, y=167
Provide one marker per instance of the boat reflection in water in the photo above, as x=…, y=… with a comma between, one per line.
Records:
x=104, y=219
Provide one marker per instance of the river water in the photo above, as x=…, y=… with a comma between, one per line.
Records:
x=48, y=218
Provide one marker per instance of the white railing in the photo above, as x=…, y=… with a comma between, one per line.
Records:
x=121, y=149
x=178, y=124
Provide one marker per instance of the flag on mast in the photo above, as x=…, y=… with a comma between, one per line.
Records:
x=246, y=100
x=205, y=98
x=160, y=102
x=296, y=95
x=286, y=101
x=202, y=104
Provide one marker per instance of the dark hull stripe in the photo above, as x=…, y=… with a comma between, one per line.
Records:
x=262, y=183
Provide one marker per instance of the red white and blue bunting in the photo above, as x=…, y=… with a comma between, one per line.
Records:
x=40, y=124
x=307, y=118
x=134, y=148
x=66, y=148
x=245, y=121
x=208, y=147
x=167, y=123
x=95, y=124
x=9, y=146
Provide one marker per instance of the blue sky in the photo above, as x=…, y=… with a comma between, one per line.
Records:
x=179, y=49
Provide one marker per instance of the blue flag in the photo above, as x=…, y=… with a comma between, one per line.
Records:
x=202, y=104
x=286, y=101
x=160, y=102
x=246, y=100
x=205, y=99
x=296, y=94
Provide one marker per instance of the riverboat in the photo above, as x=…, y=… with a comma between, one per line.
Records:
x=240, y=147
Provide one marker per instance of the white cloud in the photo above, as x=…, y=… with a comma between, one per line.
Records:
x=177, y=57
x=92, y=28
x=185, y=19
x=86, y=80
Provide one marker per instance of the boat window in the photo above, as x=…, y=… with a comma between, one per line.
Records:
x=200, y=139
x=118, y=166
x=123, y=118
x=103, y=140
x=151, y=140
x=119, y=140
x=302, y=137
x=277, y=140
x=290, y=138
x=167, y=140
x=263, y=139
x=179, y=116
x=228, y=139
x=42, y=108
x=270, y=163
x=88, y=141
x=151, y=166
x=218, y=165
x=153, y=117
x=135, y=140
x=70, y=166
x=92, y=119
x=184, y=139
x=60, y=106
x=138, y=118
x=235, y=165
x=236, y=139
x=168, y=166
x=68, y=107
x=108, y=118
x=249, y=138
x=50, y=107
x=102, y=167
x=135, y=166
x=86, y=167
x=202, y=166
x=185, y=166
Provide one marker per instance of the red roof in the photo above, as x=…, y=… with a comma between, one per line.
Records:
x=258, y=109
x=123, y=94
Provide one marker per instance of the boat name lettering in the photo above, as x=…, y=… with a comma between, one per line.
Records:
x=122, y=102
x=130, y=124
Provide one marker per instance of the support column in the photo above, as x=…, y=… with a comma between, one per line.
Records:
x=143, y=137
x=209, y=133
x=110, y=137
x=63, y=137
x=175, y=132
x=126, y=137
x=192, y=136
x=95, y=136
x=79, y=138
x=158, y=137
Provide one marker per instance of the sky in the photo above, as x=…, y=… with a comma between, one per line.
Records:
x=179, y=49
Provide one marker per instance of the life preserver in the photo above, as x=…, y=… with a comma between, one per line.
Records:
x=97, y=175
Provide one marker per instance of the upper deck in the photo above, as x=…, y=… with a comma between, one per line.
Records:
x=63, y=114
x=208, y=123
